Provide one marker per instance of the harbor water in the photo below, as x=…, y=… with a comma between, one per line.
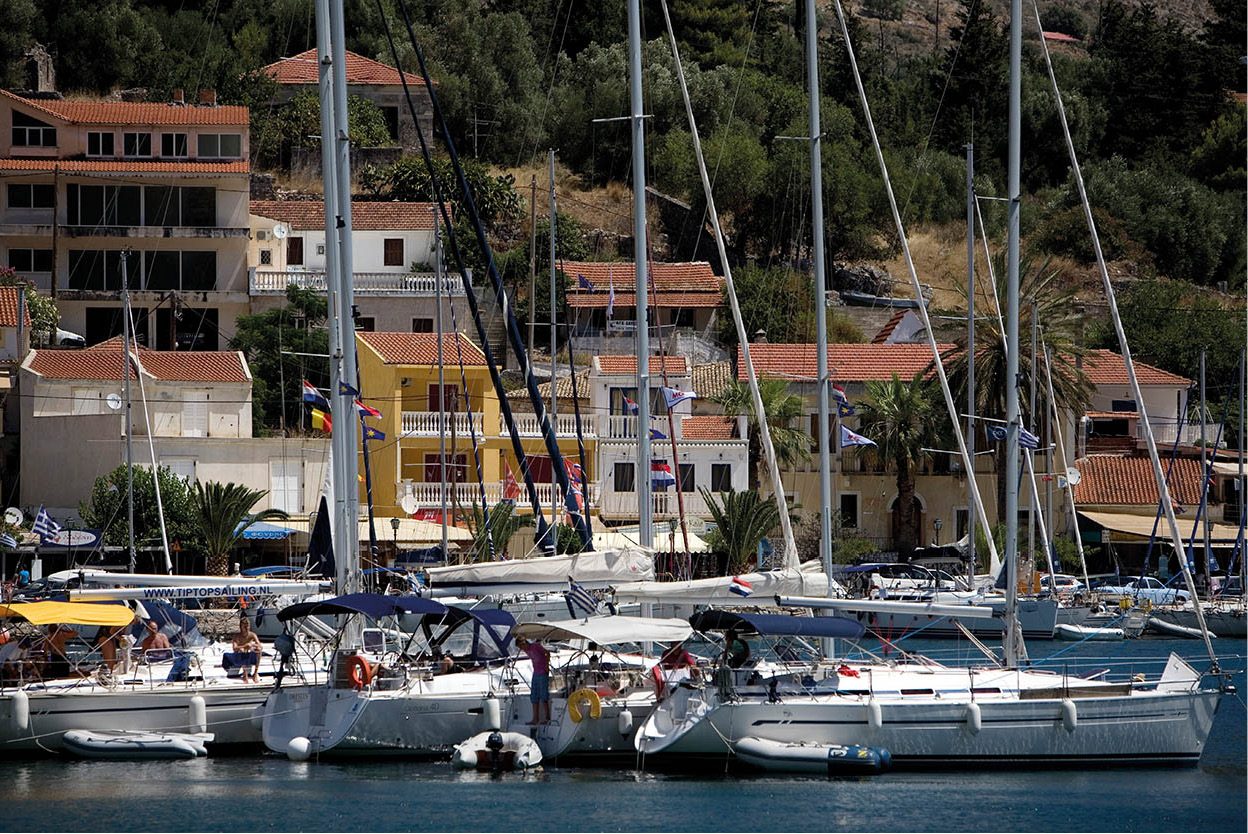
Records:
x=270, y=793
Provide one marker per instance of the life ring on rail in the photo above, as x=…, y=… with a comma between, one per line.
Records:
x=359, y=672
x=588, y=696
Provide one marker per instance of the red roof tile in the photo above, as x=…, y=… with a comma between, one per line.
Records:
x=135, y=112
x=708, y=427
x=103, y=362
x=1114, y=415
x=696, y=276
x=374, y=216
x=1118, y=479
x=124, y=166
x=627, y=365
x=422, y=348
x=1104, y=367
x=659, y=299
x=1060, y=37
x=848, y=363
x=887, y=330
x=302, y=69
x=8, y=308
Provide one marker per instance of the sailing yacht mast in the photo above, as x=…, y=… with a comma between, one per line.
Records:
x=125, y=379
x=437, y=294
x=970, y=355
x=645, y=508
x=554, y=336
x=1011, y=647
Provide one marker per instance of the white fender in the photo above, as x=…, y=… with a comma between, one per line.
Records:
x=21, y=710
x=299, y=749
x=624, y=722
x=197, y=713
x=491, y=714
x=1070, y=715
x=875, y=715
x=974, y=718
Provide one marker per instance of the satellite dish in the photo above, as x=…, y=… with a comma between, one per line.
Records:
x=114, y=401
x=14, y=516
x=409, y=504
x=1073, y=475
x=279, y=231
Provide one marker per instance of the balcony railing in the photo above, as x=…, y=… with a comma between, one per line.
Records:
x=624, y=427
x=665, y=504
x=426, y=424
x=272, y=282
x=430, y=423
x=429, y=495
x=565, y=425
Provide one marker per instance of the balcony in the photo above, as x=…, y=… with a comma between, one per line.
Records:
x=410, y=284
x=623, y=505
x=565, y=425
x=425, y=424
x=84, y=231
x=429, y=495
x=430, y=423
x=624, y=428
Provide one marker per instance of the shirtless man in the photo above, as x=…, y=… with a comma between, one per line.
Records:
x=247, y=641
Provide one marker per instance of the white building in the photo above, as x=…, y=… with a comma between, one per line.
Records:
x=392, y=250
x=14, y=337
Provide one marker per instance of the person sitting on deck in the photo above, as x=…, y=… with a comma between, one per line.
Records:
x=247, y=642
x=676, y=657
x=155, y=642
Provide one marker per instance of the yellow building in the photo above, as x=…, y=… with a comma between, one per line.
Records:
x=399, y=378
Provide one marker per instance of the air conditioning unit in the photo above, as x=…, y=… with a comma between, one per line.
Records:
x=262, y=234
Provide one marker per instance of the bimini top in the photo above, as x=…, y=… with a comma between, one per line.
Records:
x=606, y=631
x=77, y=613
x=779, y=624
x=371, y=605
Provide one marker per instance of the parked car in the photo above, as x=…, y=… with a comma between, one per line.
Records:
x=1146, y=588
x=903, y=577
x=1061, y=583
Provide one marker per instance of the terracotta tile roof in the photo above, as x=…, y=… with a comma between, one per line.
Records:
x=585, y=299
x=1060, y=37
x=1104, y=367
x=563, y=388
x=708, y=427
x=695, y=276
x=1127, y=479
x=887, y=330
x=1114, y=415
x=371, y=216
x=8, y=308
x=848, y=362
x=302, y=69
x=627, y=365
x=103, y=362
x=135, y=112
x=710, y=378
x=124, y=166
x=422, y=348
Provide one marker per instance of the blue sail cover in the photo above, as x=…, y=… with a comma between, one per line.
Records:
x=375, y=606
x=777, y=624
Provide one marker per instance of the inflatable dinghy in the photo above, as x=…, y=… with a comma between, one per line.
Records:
x=830, y=759
x=1170, y=629
x=496, y=751
x=130, y=744
x=1067, y=631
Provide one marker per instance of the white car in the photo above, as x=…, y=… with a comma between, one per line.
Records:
x=1061, y=583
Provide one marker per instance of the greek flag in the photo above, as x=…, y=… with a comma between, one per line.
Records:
x=580, y=599
x=1027, y=440
x=44, y=525
x=7, y=541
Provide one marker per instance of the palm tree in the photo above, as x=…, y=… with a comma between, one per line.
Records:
x=503, y=525
x=222, y=512
x=1062, y=319
x=742, y=519
x=780, y=409
x=904, y=418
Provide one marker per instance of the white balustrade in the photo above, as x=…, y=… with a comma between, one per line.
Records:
x=270, y=282
x=428, y=495
x=430, y=423
x=665, y=503
x=565, y=425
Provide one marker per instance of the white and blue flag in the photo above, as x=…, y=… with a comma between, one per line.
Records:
x=45, y=525
x=8, y=541
x=580, y=599
x=853, y=438
x=674, y=396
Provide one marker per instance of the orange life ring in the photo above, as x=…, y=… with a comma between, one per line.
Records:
x=359, y=672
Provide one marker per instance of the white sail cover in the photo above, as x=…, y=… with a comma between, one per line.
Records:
x=596, y=569
x=606, y=631
x=719, y=590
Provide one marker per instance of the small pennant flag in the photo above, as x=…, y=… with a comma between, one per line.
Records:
x=322, y=421
x=655, y=434
x=371, y=433
x=344, y=388
x=575, y=473
x=45, y=525
x=584, y=283
x=311, y=395
x=740, y=587
x=852, y=438
x=674, y=397
x=661, y=476
x=511, y=490
x=630, y=406
x=8, y=541
x=366, y=411
x=610, y=297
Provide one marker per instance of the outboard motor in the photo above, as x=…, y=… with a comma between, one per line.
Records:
x=495, y=745
x=284, y=645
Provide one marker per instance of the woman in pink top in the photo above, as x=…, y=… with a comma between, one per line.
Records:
x=539, y=690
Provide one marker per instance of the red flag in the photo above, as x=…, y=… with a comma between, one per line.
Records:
x=511, y=490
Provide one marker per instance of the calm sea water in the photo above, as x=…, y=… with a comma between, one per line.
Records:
x=269, y=793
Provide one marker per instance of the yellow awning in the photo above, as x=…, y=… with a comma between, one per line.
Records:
x=78, y=613
x=412, y=532
x=1141, y=526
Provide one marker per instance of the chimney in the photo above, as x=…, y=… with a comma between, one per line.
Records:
x=760, y=337
x=179, y=96
x=208, y=98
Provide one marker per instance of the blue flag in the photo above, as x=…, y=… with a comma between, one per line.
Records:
x=344, y=388
x=371, y=433
x=583, y=282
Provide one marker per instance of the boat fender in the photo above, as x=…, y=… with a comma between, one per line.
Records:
x=257, y=716
x=624, y=723
x=587, y=696
x=21, y=711
x=359, y=671
x=974, y=718
x=875, y=715
x=197, y=712
x=299, y=749
x=1070, y=715
x=492, y=714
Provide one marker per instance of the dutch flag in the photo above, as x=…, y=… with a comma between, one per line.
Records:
x=630, y=406
x=366, y=411
x=311, y=395
x=740, y=587
x=661, y=476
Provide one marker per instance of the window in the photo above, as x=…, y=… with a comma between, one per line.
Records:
x=1122, y=405
x=98, y=271
x=220, y=145
x=422, y=325
x=194, y=414
x=266, y=257
x=136, y=144
x=624, y=477
x=294, y=251
x=365, y=323
x=29, y=132
x=849, y=510
x=284, y=492
x=448, y=400
x=320, y=249
x=687, y=478
x=961, y=522
x=171, y=206
x=173, y=144
x=184, y=468
x=37, y=196
x=103, y=205
x=199, y=270
x=31, y=260
x=721, y=477
x=393, y=254
x=99, y=144
x=199, y=206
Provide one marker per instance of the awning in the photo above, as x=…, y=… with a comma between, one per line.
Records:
x=606, y=631
x=375, y=606
x=412, y=533
x=267, y=530
x=777, y=624
x=77, y=613
x=1140, y=527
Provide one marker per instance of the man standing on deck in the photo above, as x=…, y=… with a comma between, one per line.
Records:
x=539, y=690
